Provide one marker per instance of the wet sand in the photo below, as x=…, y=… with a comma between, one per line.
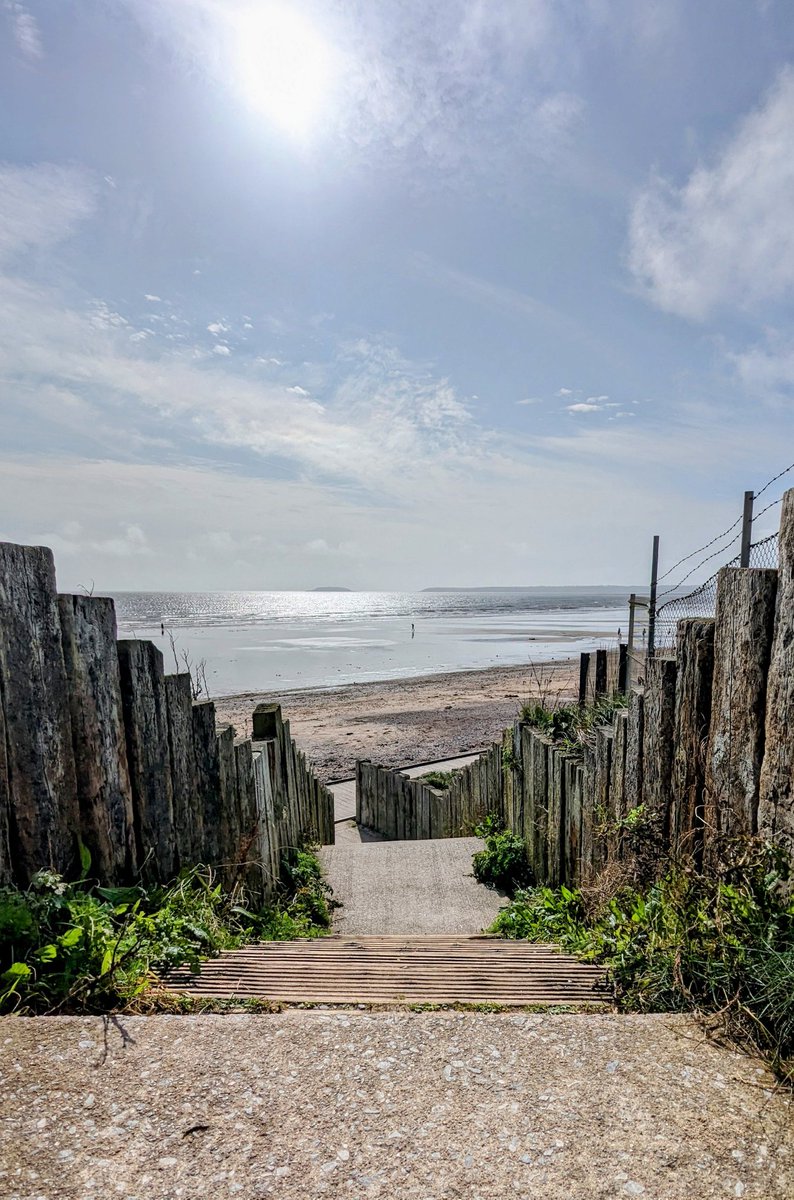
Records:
x=400, y=721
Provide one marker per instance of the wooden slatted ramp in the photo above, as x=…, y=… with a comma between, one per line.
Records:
x=430, y=969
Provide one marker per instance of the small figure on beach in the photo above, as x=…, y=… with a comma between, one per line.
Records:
x=162, y=629
x=413, y=629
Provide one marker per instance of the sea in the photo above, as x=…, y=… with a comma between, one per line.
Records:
x=282, y=641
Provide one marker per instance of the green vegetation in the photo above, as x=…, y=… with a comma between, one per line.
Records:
x=568, y=724
x=76, y=947
x=722, y=944
x=503, y=863
x=438, y=779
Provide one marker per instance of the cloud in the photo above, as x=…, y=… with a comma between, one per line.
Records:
x=218, y=327
x=583, y=408
x=222, y=350
x=153, y=299
x=26, y=29
x=41, y=205
x=726, y=237
x=564, y=392
x=767, y=369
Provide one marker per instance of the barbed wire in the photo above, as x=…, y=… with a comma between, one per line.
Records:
x=702, y=601
x=775, y=478
x=720, y=550
x=724, y=534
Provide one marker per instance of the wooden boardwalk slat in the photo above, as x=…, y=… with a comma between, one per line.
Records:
x=390, y=969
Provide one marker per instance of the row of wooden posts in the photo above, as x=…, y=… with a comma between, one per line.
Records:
x=98, y=746
x=702, y=753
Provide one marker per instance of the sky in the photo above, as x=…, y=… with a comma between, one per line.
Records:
x=391, y=293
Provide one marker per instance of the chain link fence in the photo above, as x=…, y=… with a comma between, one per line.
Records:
x=702, y=601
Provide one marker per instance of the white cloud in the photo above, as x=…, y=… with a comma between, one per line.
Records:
x=26, y=29
x=768, y=368
x=222, y=350
x=39, y=206
x=583, y=408
x=528, y=400
x=564, y=392
x=218, y=327
x=726, y=238
x=153, y=299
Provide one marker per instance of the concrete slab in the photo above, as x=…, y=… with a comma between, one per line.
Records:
x=386, y=1106
x=409, y=887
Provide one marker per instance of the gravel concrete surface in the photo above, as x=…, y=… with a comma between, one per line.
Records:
x=409, y=1106
x=408, y=887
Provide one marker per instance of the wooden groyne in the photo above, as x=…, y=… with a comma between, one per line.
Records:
x=703, y=752
x=100, y=748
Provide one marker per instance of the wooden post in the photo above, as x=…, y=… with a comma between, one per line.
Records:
x=208, y=782
x=632, y=607
x=584, y=670
x=632, y=788
x=182, y=755
x=747, y=530
x=146, y=726
x=695, y=658
x=88, y=627
x=601, y=674
x=776, y=803
x=603, y=809
x=617, y=785
x=652, y=600
x=623, y=668
x=742, y=650
x=657, y=746
x=39, y=774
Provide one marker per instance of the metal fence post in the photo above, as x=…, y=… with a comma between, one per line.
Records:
x=747, y=529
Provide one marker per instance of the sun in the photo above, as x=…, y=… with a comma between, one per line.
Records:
x=285, y=67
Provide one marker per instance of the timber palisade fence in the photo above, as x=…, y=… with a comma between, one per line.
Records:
x=99, y=747
x=702, y=752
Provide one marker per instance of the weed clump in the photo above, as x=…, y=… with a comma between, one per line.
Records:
x=569, y=725
x=503, y=862
x=442, y=780
x=77, y=947
x=722, y=943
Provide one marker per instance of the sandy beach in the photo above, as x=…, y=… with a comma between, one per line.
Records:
x=397, y=722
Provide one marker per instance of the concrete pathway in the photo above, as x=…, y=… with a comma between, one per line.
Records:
x=386, y=1106
x=409, y=887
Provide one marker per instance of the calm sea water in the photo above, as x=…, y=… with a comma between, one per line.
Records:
x=284, y=640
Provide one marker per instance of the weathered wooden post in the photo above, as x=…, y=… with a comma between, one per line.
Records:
x=695, y=658
x=38, y=775
x=146, y=726
x=184, y=781
x=88, y=628
x=208, y=780
x=742, y=648
x=601, y=675
x=623, y=668
x=632, y=788
x=584, y=671
x=657, y=747
x=776, y=801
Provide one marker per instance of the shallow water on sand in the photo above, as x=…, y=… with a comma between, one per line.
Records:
x=263, y=641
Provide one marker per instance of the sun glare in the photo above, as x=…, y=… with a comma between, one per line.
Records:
x=285, y=66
